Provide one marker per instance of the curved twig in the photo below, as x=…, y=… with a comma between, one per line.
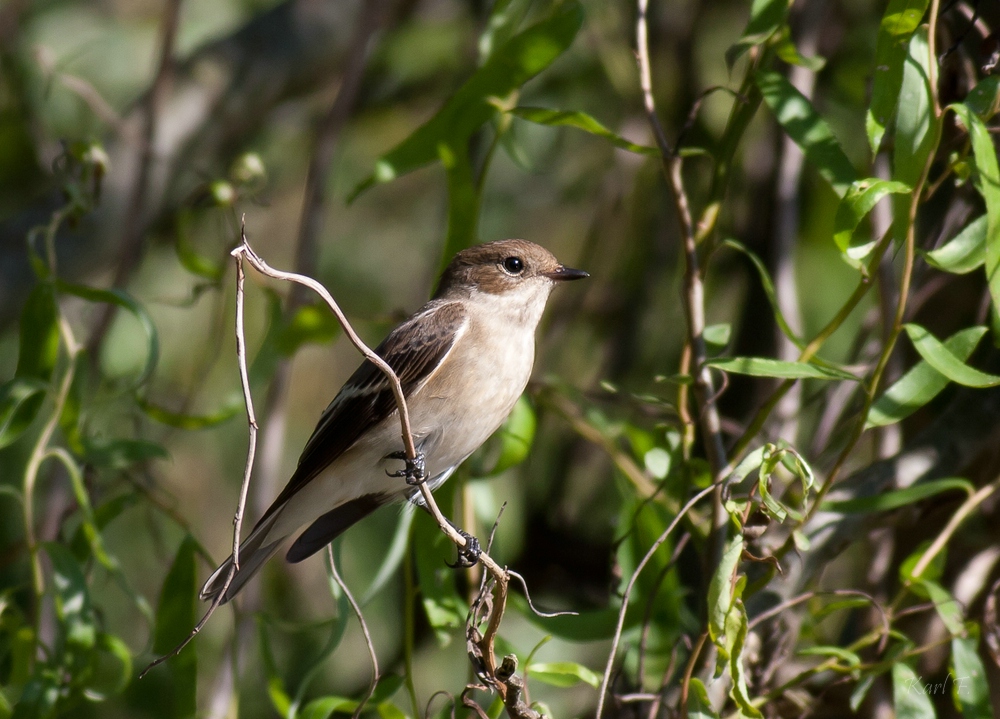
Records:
x=364, y=629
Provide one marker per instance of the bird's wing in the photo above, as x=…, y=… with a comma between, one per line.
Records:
x=414, y=350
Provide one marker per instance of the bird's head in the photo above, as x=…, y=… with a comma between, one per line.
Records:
x=505, y=267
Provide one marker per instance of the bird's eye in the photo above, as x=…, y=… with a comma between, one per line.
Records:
x=514, y=265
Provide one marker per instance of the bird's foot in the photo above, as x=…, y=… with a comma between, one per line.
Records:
x=468, y=556
x=415, y=471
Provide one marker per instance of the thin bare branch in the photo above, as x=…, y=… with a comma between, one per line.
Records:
x=364, y=629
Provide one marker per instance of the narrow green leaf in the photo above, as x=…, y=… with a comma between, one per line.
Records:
x=503, y=22
x=73, y=606
x=720, y=590
x=768, y=285
x=984, y=98
x=230, y=409
x=20, y=400
x=849, y=658
x=511, y=65
x=909, y=695
x=888, y=501
x=766, y=16
x=914, y=137
x=860, y=199
x=717, y=336
x=324, y=707
x=119, y=454
x=39, y=342
x=766, y=367
x=563, y=674
x=931, y=573
x=463, y=200
x=699, y=705
x=114, y=682
x=922, y=383
x=947, y=607
x=122, y=299
x=941, y=359
x=581, y=121
x=987, y=181
x=970, y=686
x=964, y=253
x=739, y=691
x=175, y=617
x=898, y=24
x=803, y=124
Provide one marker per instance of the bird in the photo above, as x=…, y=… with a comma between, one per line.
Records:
x=463, y=360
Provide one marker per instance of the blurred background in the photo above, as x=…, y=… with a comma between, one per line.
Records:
x=136, y=135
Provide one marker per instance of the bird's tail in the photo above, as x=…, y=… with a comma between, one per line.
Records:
x=254, y=552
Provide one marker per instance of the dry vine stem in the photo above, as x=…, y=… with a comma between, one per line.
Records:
x=498, y=573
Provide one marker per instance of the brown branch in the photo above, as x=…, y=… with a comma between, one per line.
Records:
x=364, y=629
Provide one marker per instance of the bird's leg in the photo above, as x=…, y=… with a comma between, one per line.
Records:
x=468, y=555
x=415, y=471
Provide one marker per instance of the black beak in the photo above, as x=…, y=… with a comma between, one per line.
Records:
x=563, y=273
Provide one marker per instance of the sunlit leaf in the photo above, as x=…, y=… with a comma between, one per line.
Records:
x=940, y=358
x=811, y=133
x=888, y=501
x=970, y=683
x=324, y=707
x=922, y=383
x=900, y=20
x=964, y=253
x=511, y=65
x=699, y=704
x=860, y=199
x=504, y=19
x=909, y=698
x=849, y=658
x=563, y=674
x=766, y=17
x=581, y=121
x=766, y=367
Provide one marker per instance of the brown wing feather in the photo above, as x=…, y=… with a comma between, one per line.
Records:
x=366, y=398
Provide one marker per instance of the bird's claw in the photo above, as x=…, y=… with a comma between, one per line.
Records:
x=415, y=471
x=468, y=556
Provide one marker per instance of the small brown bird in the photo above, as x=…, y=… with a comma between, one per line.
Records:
x=463, y=360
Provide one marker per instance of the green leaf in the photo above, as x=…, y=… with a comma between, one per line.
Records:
x=181, y=420
x=309, y=324
x=39, y=340
x=987, y=181
x=849, y=658
x=768, y=285
x=888, y=501
x=909, y=695
x=122, y=299
x=964, y=253
x=189, y=257
x=739, y=691
x=516, y=436
x=970, y=687
x=119, y=454
x=175, y=617
x=922, y=383
x=324, y=707
x=20, y=400
x=717, y=336
x=984, y=98
x=563, y=674
x=898, y=24
x=510, y=66
x=720, y=590
x=916, y=127
x=766, y=367
x=941, y=359
x=439, y=595
x=73, y=606
x=946, y=606
x=503, y=22
x=859, y=200
x=699, y=705
x=803, y=124
x=463, y=200
x=581, y=121
x=766, y=17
